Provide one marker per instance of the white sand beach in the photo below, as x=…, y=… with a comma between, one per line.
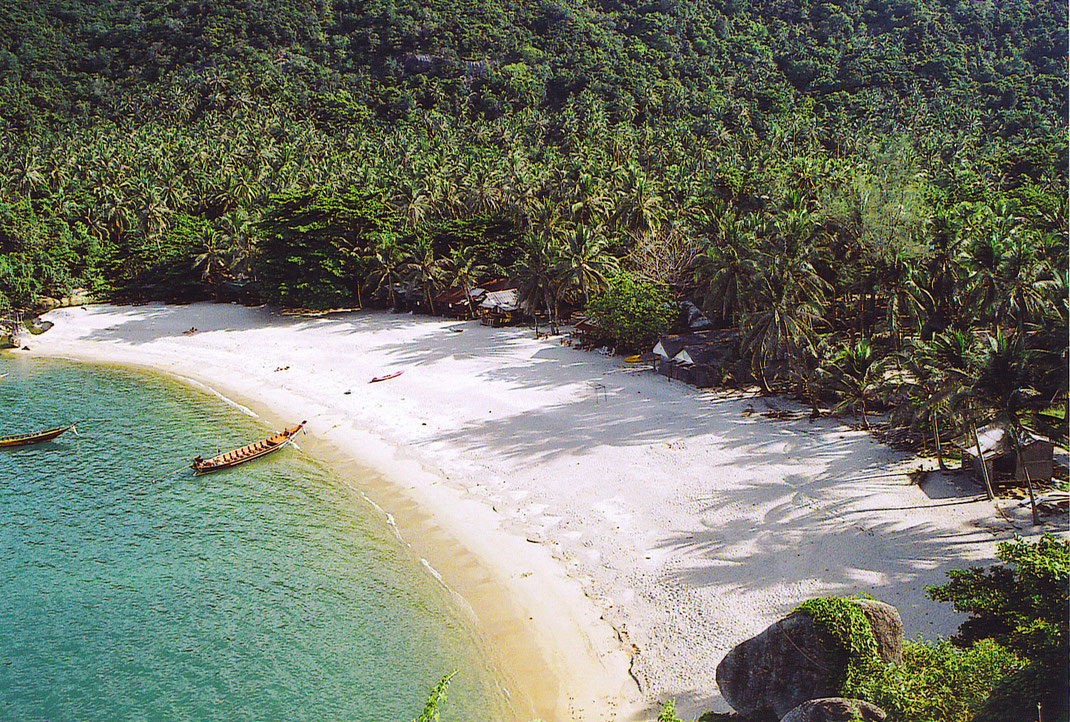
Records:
x=614, y=533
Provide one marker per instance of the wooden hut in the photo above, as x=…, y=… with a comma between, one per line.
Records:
x=997, y=452
x=499, y=308
x=695, y=358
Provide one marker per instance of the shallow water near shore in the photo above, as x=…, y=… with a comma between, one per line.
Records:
x=268, y=591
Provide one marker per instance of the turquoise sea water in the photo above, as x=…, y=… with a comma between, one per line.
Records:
x=272, y=591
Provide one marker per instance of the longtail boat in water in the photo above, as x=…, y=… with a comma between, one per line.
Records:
x=32, y=438
x=246, y=453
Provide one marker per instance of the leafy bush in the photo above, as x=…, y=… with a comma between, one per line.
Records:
x=633, y=312
x=1025, y=607
x=843, y=629
x=1020, y=606
x=940, y=682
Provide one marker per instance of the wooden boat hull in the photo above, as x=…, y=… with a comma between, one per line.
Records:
x=246, y=453
x=35, y=438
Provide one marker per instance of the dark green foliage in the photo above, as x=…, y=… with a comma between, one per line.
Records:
x=39, y=253
x=940, y=682
x=846, y=635
x=633, y=313
x=1019, y=603
x=312, y=244
x=1026, y=607
x=162, y=266
x=495, y=239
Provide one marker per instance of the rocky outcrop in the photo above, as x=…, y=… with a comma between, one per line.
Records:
x=887, y=628
x=779, y=669
x=77, y=297
x=835, y=709
x=787, y=665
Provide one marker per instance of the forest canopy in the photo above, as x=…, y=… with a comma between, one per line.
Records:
x=851, y=185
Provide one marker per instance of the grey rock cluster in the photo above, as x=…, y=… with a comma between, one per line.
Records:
x=786, y=669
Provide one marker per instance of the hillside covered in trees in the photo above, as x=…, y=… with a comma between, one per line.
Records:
x=852, y=184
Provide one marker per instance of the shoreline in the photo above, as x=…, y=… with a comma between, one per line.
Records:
x=614, y=533
x=536, y=652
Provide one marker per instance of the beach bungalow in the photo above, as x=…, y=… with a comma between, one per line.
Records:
x=455, y=303
x=498, y=308
x=696, y=358
x=997, y=452
x=585, y=334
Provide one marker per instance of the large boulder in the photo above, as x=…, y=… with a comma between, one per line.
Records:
x=887, y=628
x=835, y=709
x=787, y=664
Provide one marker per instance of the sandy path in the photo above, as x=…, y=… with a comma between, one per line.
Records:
x=581, y=490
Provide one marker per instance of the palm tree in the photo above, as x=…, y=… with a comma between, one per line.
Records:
x=1003, y=386
x=424, y=270
x=386, y=262
x=857, y=374
x=465, y=271
x=904, y=296
x=982, y=258
x=214, y=261
x=788, y=298
x=639, y=206
x=726, y=268
x=539, y=280
x=1021, y=293
x=587, y=202
x=413, y=201
x=938, y=378
x=585, y=261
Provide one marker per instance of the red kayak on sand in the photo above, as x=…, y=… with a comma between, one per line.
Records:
x=387, y=377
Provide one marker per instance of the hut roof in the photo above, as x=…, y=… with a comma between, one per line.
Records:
x=995, y=440
x=505, y=300
x=669, y=346
x=696, y=320
x=456, y=296
x=704, y=354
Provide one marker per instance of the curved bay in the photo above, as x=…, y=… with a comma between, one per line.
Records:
x=269, y=591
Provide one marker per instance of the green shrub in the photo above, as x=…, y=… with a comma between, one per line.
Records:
x=312, y=243
x=844, y=631
x=633, y=312
x=1024, y=607
x=940, y=682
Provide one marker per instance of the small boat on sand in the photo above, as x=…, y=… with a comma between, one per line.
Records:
x=32, y=438
x=387, y=377
x=246, y=453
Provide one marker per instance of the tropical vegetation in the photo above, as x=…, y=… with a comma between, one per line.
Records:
x=873, y=193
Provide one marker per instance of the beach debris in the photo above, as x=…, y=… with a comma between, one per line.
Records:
x=787, y=664
x=282, y=368
x=835, y=709
x=192, y=330
x=347, y=392
x=778, y=414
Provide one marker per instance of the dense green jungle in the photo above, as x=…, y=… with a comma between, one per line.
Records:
x=873, y=192
x=871, y=195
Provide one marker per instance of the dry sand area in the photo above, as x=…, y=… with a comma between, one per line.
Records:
x=614, y=533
